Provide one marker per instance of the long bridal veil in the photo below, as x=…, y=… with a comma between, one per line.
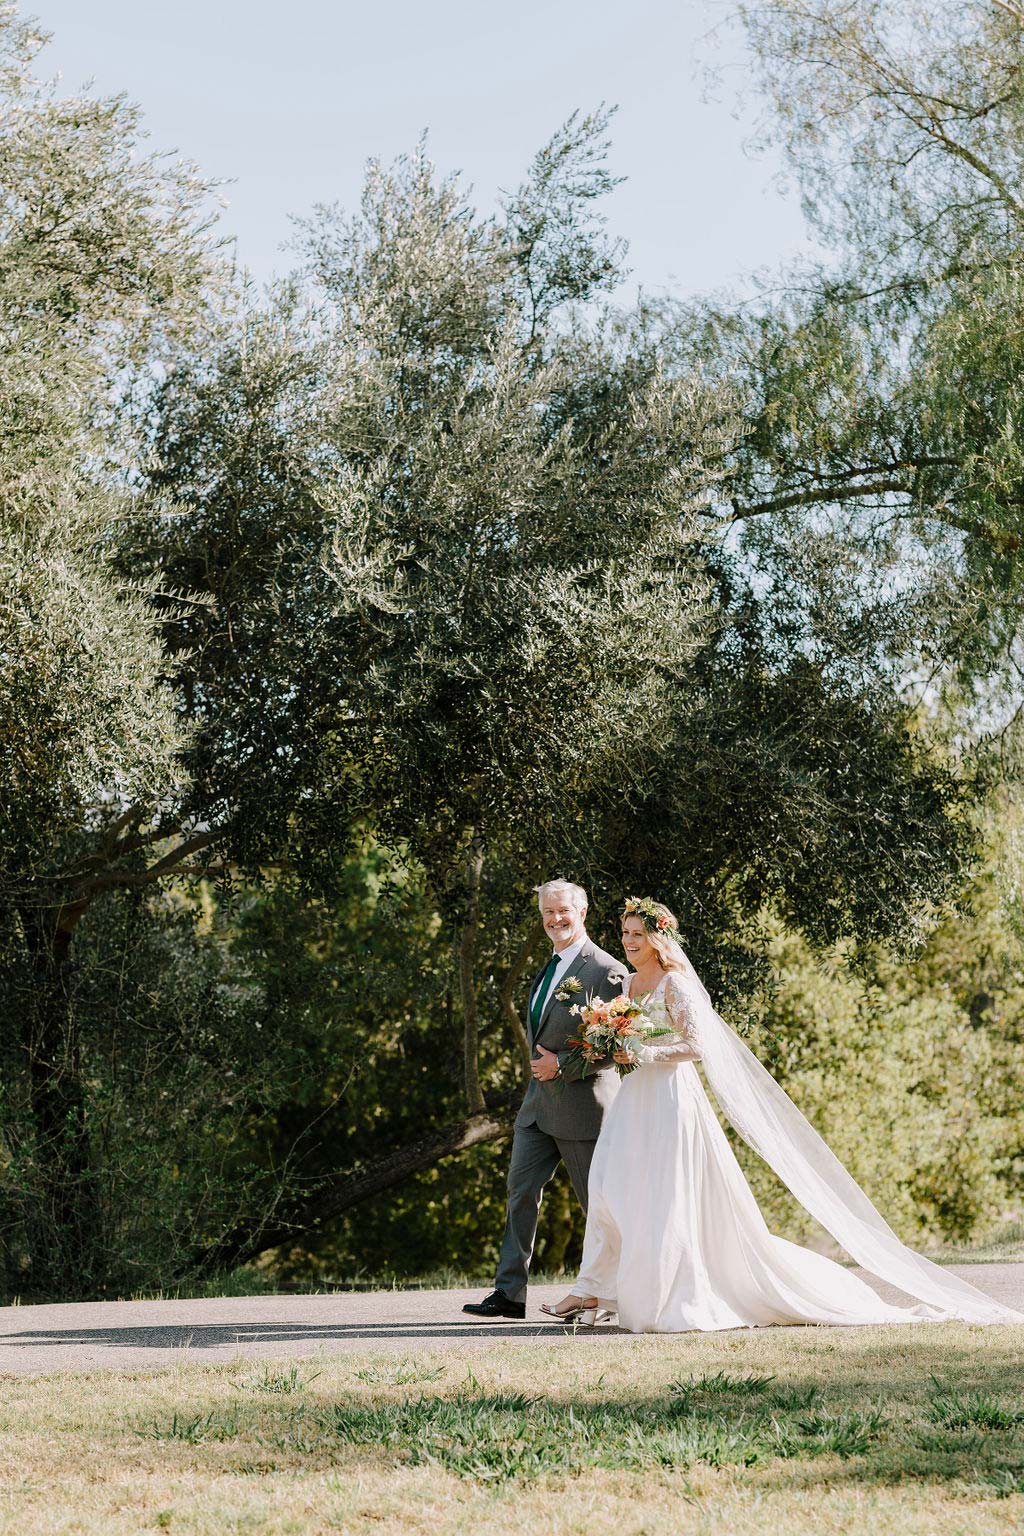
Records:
x=769, y=1122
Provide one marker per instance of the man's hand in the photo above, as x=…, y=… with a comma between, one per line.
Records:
x=545, y=1065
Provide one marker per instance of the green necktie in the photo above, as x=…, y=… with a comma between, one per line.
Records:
x=542, y=990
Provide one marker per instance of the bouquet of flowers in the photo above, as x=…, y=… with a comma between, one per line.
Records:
x=616, y=1029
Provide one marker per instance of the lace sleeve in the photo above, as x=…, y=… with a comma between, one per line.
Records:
x=685, y=1046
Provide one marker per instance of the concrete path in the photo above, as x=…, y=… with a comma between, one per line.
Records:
x=139, y=1335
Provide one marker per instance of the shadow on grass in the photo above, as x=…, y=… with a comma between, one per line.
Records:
x=957, y=1429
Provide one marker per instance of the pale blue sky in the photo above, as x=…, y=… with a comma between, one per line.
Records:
x=290, y=100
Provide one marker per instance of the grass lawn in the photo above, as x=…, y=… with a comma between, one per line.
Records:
x=915, y=1430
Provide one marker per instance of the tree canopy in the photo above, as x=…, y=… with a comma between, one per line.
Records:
x=882, y=385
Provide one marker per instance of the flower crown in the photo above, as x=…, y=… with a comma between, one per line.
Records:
x=650, y=914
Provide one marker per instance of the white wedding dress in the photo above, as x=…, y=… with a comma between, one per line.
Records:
x=675, y=1239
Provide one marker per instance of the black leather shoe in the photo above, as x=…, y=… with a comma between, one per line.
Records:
x=496, y=1304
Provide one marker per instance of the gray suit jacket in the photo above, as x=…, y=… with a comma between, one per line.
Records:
x=572, y=1110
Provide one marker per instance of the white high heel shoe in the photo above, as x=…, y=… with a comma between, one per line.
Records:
x=583, y=1314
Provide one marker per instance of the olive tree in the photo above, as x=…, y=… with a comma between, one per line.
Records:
x=422, y=548
x=882, y=385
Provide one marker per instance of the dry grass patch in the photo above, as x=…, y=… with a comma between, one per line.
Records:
x=917, y=1431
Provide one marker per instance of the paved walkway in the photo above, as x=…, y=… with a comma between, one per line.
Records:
x=133, y=1335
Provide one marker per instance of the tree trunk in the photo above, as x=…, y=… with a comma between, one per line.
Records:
x=556, y=1225
x=512, y=978
x=344, y=1190
x=62, y=1230
x=467, y=980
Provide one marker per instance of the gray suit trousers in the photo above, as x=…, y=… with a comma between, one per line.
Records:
x=535, y=1156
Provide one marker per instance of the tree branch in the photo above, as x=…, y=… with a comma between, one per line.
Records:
x=344, y=1190
x=467, y=988
x=817, y=494
x=117, y=826
x=989, y=533
x=1011, y=10
x=114, y=878
x=113, y=848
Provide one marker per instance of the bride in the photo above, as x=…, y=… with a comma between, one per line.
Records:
x=674, y=1238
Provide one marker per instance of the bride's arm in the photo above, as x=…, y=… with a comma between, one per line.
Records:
x=686, y=1045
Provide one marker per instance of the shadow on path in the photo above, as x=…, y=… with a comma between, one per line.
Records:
x=221, y=1335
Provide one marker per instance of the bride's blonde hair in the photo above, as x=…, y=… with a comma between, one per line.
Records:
x=661, y=928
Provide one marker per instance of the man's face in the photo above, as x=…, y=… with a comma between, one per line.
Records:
x=564, y=921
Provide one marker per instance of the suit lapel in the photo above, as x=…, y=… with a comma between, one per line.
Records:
x=529, y=999
x=581, y=959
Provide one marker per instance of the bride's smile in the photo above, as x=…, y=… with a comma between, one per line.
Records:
x=641, y=954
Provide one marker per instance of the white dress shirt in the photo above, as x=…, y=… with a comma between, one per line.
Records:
x=566, y=958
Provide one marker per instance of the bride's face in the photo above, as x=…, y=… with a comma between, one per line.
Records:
x=635, y=942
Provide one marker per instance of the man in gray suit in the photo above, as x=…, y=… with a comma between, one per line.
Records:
x=562, y=1112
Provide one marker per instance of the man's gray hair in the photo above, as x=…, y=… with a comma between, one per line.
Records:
x=549, y=888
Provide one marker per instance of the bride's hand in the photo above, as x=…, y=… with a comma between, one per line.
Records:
x=623, y=1057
